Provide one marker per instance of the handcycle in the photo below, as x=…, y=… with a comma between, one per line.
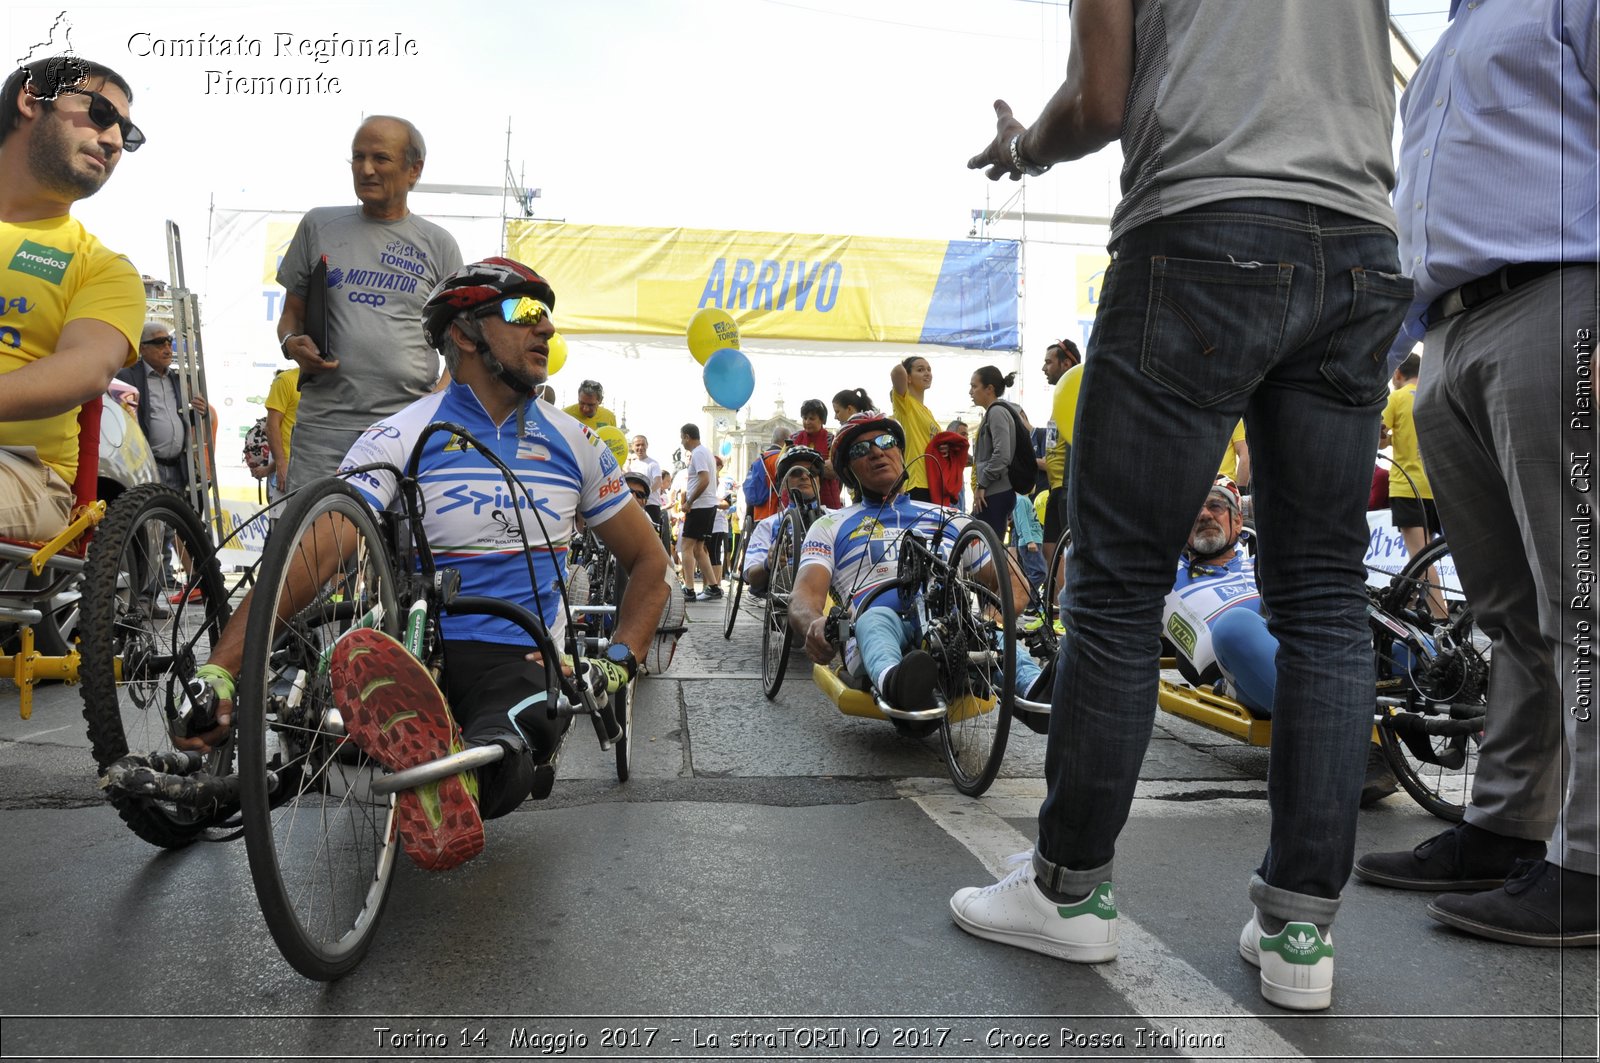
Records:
x=783, y=562
x=967, y=624
x=318, y=811
x=141, y=632
x=1432, y=679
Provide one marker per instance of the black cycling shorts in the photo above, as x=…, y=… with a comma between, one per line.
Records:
x=1055, y=515
x=697, y=523
x=483, y=681
x=1414, y=513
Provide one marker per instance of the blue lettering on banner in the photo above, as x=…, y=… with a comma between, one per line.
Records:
x=712, y=295
x=744, y=270
x=832, y=277
x=762, y=299
x=273, y=298
x=751, y=288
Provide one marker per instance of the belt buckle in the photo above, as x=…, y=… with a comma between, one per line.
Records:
x=1450, y=304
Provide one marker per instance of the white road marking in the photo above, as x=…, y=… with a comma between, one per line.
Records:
x=1146, y=974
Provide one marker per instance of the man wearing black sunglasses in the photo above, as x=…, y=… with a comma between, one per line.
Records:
x=355, y=339
x=73, y=308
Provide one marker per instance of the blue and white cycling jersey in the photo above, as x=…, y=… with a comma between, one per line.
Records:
x=761, y=539
x=471, y=515
x=1200, y=595
x=860, y=544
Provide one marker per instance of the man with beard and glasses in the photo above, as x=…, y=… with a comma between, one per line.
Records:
x=1216, y=627
x=72, y=309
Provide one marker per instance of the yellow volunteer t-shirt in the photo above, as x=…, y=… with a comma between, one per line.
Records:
x=601, y=418
x=1063, y=414
x=284, y=396
x=54, y=272
x=920, y=427
x=1403, y=442
x=1230, y=457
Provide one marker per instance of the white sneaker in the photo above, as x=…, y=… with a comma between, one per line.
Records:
x=1014, y=911
x=1296, y=964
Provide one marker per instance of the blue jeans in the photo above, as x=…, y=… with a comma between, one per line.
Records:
x=1282, y=313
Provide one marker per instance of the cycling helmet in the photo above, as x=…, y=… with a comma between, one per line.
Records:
x=864, y=424
x=1224, y=487
x=474, y=285
x=799, y=455
x=633, y=476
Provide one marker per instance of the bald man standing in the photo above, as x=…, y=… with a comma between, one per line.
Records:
x=382, y=261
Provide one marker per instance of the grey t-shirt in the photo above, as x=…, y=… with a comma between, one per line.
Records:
x=379, y=275
x=1280, y=100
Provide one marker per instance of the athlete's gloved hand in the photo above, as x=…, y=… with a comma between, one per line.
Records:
x=616, y=676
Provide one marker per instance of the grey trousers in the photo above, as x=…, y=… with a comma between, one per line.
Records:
x=1506, y=420
x=316, y=452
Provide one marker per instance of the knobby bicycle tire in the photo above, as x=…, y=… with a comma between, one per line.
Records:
x=136, y=661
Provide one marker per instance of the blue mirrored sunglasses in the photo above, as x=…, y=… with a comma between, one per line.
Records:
x=519, y=310
x=862, y=448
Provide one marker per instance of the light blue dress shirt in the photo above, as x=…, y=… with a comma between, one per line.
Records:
x=1500, y=156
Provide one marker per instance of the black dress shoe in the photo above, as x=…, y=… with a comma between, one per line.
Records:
x=1465, y=858
x=1541, y=904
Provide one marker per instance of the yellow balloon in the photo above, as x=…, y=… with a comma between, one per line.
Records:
x=612, y=437
x=710, y=330
x=558, y=354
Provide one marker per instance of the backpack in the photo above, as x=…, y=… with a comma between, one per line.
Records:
x=756, y=488
x=1023, y=468
x=257, y=451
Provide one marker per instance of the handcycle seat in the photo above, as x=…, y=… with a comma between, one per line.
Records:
x=65, y=552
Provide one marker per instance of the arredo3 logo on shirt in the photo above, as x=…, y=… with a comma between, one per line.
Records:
x=37, y=260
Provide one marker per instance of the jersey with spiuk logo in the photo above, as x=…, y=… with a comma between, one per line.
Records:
x=475, y=523
x=860, y=544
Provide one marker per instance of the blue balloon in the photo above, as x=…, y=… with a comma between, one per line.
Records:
x=727, y=447
x=729, y=379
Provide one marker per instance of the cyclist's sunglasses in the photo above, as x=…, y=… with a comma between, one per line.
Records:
x=104, y=114
x=642, y=496
x=518, y=310
x=883, y=441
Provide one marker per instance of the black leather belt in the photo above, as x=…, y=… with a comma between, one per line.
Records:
x=1475, y=293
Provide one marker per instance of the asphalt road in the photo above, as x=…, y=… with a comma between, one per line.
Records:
x=773, y=883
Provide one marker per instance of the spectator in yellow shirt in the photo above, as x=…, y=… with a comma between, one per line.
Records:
x=588, y=410
x=1410, y=498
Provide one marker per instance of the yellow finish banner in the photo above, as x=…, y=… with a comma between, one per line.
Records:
x=777, y=285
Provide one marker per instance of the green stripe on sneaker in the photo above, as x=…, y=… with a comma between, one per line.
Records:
x=1101, y=904
x=397, y=718
x=1299, y=943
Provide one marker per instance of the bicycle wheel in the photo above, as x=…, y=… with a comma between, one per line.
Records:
x=777, y=637
x=1433, y=682
x=973, y=639
x=1052, y=581
x=618, y=584
x=623, y=704
x=322, y=846
x=730, y=601
x=142, y=639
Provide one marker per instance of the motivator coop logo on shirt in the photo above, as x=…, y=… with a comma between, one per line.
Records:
x=37, y=260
